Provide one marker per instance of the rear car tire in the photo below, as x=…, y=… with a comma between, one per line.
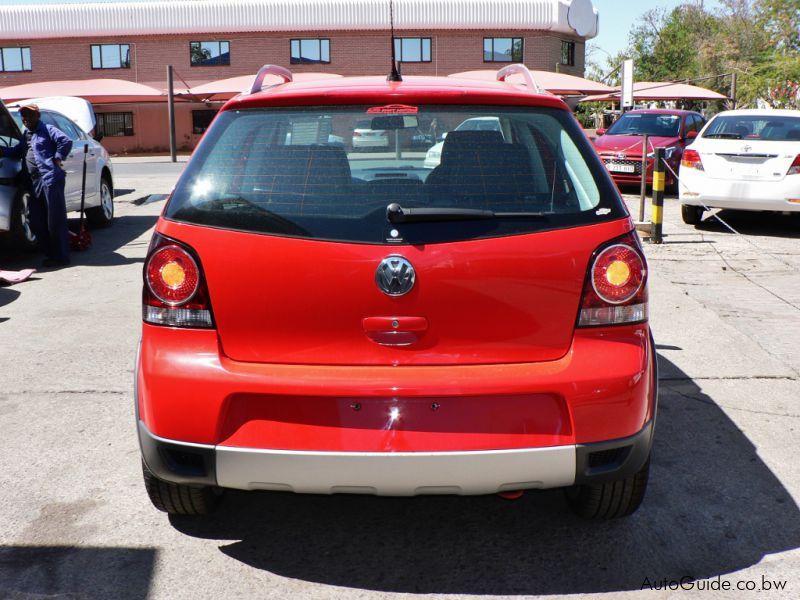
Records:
x=103, y=215
x=179, y=499
x=20, y=235
x=691, y=215
x=610, y=500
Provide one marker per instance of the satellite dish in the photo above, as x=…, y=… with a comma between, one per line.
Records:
x=582, y=18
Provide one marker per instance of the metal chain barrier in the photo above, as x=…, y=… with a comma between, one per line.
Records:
x=728, y=225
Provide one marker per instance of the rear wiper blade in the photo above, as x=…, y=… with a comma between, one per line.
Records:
x=397, y=214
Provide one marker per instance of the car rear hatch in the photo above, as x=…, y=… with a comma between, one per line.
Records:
x=284, y=300
x=746, y=160
x=306, y=263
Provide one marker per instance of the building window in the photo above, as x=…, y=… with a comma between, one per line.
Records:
x=210, y=54
x=201, y=119
x=111, y=56
x=502, y=50
x=310, y=52
x=116, y=124
x=412, y=50
x=15, y=59
x=568, y=53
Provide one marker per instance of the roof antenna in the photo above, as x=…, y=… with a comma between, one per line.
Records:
x=394, y=75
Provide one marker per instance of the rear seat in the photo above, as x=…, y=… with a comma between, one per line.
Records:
x=480, y=170
x=309, y=177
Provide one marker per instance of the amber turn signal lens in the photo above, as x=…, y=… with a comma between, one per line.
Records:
x=173, y=275
x=618, y=273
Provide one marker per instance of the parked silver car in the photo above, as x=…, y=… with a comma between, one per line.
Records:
x=14, y=193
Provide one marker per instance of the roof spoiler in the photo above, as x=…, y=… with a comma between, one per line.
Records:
x=258, y=82
x=519, y=68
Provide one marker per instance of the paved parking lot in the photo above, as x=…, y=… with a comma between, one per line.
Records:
x=725, y=481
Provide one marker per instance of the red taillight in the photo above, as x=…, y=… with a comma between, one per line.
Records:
x=794, y=169
x=174, y=293
x=172, y=275
x=691, y=159
x=615, y=292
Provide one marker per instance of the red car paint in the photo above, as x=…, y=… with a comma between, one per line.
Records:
x=302, y=354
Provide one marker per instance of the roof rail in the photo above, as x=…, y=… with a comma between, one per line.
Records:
x=258, y=83
x=519, y=68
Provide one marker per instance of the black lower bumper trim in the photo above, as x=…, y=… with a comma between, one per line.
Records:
x=190, y=464
x=602, y=462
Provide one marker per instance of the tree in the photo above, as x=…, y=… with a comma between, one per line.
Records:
x=781, y=20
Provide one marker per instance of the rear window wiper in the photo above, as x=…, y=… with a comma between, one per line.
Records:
x=397, y=214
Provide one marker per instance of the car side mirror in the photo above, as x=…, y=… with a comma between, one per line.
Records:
x=98, y=137
x=691, y=135
x=600, y=131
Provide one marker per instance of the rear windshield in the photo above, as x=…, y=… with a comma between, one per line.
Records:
x=474, y=172
x=646, y=123
x=754, y=127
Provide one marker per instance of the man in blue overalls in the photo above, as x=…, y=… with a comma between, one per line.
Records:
x=44, y=148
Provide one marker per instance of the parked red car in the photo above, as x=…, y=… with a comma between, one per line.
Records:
x=323, y=322
x=621, y=145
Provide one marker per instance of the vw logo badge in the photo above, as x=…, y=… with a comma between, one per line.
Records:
x=395, y=276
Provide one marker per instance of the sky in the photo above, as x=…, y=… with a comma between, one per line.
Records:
x=618, y=16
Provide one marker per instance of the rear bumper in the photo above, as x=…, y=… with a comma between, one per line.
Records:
x=741, y=195
x=204, y=419
x=698, y=189
x=395, y=473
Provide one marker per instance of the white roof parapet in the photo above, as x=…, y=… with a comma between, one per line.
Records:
x=37, y=21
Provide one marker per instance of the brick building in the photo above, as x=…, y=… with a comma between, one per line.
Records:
x=208, y=40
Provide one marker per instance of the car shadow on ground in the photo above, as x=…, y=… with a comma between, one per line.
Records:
x=70, y=572
x=104, y=251
x=713, y=508
x=769, y=224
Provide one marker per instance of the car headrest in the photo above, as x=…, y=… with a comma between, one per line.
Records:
x=459, y=143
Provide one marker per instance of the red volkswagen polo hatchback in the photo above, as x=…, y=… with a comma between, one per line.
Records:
x=320, y=320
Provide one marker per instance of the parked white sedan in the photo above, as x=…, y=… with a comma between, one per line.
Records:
x=15, y=228
x=744, y=160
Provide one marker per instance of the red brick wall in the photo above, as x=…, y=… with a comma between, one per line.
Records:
x=352, y=53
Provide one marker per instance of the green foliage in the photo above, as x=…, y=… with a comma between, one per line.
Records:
x=757, y=39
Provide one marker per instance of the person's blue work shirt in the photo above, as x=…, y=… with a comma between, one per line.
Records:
x=48, y=143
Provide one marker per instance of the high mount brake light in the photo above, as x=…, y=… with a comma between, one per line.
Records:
x=174, y=293
x=691, y=159
x=794, y=169
x=615, y=291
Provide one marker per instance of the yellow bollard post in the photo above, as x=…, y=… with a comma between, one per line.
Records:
x=659, y=179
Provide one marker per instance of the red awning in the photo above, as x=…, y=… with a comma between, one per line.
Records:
x=96, y=91
x=653, y=90
x=559, y=84
x=225, y=89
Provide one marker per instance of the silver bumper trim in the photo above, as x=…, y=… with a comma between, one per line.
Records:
x=395, y=473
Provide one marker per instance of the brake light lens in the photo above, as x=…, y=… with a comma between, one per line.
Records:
x=691, y=159
x=615, y=292
x=794, y=169
x=174, y=293
x=172, y=275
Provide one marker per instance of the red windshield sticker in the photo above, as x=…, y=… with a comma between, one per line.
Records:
x=393, y=109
